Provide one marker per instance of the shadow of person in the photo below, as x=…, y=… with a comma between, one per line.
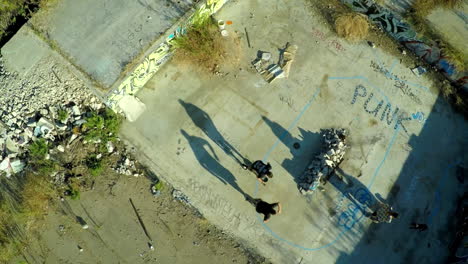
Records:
x=202, y=120
x=303, y=148
x=355, y=191
x=205, y=155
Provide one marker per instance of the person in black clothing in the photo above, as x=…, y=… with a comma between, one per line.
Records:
x=265, y=208
x=261, y=169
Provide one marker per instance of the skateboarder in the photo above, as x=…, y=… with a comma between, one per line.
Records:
x=383, y=214
x=261, y=169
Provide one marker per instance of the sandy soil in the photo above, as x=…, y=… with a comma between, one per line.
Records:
x=114, y=235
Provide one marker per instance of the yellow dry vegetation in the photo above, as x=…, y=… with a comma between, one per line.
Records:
x=352, y=26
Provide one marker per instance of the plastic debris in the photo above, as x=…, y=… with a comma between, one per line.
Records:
x=418, y=71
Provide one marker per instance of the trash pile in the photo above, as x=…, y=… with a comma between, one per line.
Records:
x=126, y=166
x=333, y=150
x=271, y=72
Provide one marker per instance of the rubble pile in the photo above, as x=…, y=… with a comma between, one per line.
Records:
x=333, y=150
x=180, y=196
x=126, y=166
x=44, y=105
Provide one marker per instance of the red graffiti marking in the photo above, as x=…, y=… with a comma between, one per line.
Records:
x=331, y=43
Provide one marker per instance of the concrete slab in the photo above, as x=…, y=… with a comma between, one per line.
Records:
x=102, y=37
x=197, y=130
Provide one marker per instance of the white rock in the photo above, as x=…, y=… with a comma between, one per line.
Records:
x=60, y=148
x=110, y=147
x=73, y=137
x=76, y=110
x=11, y=145
x=98, y=156
x=61, y=126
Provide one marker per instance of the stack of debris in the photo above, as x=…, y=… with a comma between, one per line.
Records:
x=271, y=72
x=127, y=167
x=333, y=150
x=52, y=123
x=53, y=109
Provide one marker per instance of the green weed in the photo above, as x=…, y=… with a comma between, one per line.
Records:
x=38, y=149
x=94, y=165
x=62, y=115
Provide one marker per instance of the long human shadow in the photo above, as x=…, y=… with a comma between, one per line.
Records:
x=202, y=120
x=303, y=148
x=209, y=161
x=355, y=191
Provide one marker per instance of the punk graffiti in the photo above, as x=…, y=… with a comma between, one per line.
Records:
x=389, y=114
x=403, y=32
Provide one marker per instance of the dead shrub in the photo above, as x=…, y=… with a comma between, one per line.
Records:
x=457, y=58
x=202, y=45
x=352, y=26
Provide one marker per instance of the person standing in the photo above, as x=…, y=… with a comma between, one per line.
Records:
x=267, y=209
x=261, y=169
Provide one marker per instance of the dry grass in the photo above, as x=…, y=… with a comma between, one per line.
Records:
x=454, y=56
x=423, y=8
x=202, y=45
x=24, y=199
x=352, y=26
x=11, y=10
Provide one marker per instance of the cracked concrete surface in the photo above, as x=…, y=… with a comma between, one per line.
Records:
x=196, y=129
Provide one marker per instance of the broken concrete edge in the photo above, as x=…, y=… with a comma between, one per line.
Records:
x=151, y=63
x=59, y=56
x=405, y=35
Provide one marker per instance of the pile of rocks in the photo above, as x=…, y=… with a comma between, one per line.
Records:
x=33, y=107
x=333, y=150
x=126, y=166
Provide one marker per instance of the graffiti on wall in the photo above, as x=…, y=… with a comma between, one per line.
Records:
x=403, y=32
x=153, y=62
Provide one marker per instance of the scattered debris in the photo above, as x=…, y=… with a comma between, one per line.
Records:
x=371, y=44
x=180, y=196
x=287, y=56
x=82, y=222
x=10, y=167
x=221, y=25
x=126, y=166
x=266, y=56
x=150, y=245
x=156, y=188
x=142, y=224
x=418, y=71
x=271, y=72
x=247, y=36
x=333, y=150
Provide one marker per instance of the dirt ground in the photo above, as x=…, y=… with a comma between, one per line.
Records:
x=179, y=234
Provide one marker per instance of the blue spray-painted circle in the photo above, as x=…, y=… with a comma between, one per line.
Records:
x=392, y=141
